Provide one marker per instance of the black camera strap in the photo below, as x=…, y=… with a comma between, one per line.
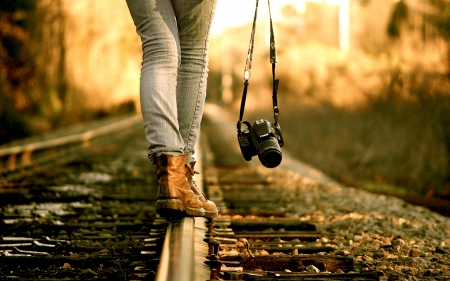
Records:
x=248, y=69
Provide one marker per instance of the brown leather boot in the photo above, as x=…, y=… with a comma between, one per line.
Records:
x=209, y=206
x=175, y=196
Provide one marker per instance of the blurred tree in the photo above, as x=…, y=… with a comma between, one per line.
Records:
x=435, y=16
x=398, y=18
x=364, y=2
x=33, y=80
x=16, y=71
x=55, y=55
x=49, y=55
x=439, y=17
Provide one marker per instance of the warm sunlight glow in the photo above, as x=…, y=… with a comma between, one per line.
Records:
x=239, y=12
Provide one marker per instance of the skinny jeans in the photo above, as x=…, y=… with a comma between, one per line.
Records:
x=175, y=42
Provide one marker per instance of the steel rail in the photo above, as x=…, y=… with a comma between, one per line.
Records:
x=26, y=150
x=181, y=255
x=177, y=257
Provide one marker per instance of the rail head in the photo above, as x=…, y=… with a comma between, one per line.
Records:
x=10, y=154
x=65, y=140
x=177, y=257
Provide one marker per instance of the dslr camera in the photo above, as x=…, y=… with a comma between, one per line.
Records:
x=263, y=139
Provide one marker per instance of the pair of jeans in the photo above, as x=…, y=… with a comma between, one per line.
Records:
x=175, y=42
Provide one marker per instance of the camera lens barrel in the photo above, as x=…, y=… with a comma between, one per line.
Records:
x=269, y=153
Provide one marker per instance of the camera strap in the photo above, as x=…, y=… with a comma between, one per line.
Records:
x=248, y=69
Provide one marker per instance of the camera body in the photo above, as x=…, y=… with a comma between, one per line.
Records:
x=264, y=139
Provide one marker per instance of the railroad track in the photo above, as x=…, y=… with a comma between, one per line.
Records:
x=70, y=211
x=72, y=220
x=91, y=216
x=69, y=219
x=61, y=145
x=255, y=237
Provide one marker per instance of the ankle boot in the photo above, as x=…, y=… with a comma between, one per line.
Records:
x=175, y=196
x=209, y=206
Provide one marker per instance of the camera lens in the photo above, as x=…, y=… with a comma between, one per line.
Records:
x=270, y=153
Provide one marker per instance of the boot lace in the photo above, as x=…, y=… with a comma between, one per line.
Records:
x=192, y=173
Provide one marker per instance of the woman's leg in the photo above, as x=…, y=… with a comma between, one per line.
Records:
x=194, y=18
x=155, y=22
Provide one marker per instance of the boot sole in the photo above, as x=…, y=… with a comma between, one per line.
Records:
x=211, y=214
x=175, y=208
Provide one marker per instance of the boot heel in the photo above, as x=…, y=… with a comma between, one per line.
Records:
x=175, y=208
x=171, y=214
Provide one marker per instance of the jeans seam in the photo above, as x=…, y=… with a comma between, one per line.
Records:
x=191, y=135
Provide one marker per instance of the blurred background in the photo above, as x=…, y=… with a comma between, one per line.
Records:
x=364, y=84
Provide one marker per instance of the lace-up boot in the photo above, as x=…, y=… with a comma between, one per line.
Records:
x=175, y=197
x=209, y=206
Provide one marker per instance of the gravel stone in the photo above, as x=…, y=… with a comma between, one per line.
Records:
x=382, y=233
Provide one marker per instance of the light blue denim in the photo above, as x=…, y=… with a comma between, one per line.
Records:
x=175, y=42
